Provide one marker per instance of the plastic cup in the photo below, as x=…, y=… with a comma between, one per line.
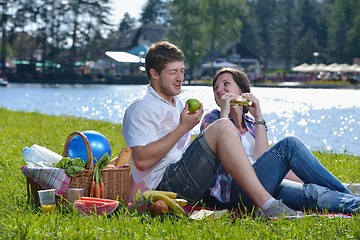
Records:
x=47, y=200
x=75, y=194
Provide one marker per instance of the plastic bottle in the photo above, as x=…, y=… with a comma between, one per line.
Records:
x=49, y=156
x=33, y=158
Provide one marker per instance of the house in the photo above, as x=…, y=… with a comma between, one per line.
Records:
x=142, y=36
x=234, y=52
x=137, y=41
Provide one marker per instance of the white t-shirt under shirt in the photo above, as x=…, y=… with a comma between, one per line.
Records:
x=248, y=142
x=147, y=120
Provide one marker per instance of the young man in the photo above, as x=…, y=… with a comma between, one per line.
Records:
x=157, y=126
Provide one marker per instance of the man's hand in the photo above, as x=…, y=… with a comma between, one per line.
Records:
x=189, y=120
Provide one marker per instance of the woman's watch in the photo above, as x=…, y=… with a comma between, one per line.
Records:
x=261, y=122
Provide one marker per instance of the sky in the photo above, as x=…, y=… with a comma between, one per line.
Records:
x=120, y=7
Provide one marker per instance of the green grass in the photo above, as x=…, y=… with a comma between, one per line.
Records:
x=21, y=220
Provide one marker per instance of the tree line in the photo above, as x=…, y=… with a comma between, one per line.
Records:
x=54, y=32
x=280, y=32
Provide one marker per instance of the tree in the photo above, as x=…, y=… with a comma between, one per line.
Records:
x=265, y=12
x=284, y=32
x=250, y=34
x=187, y=30
x=126, y=24
x=204, y=26
x=308, y=31
x=155, y=12
x=85, y=16
x=342, y=24
x=354, y=31
x=8, y=9
x=222, y=21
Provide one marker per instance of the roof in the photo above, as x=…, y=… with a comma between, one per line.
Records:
x=144, y=35
x=240, y=49
x=142, y=49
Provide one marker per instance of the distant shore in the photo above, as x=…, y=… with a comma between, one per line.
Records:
x=287, y=85
x=142, y=80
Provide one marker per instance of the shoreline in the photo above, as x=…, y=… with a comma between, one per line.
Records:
x=287, y=85
x=203, y=83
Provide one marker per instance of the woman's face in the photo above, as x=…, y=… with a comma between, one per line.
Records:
x=225, y=84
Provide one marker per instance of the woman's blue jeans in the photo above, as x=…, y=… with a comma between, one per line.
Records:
x=321, y=190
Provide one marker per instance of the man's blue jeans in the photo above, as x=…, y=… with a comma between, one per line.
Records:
x=195, y=173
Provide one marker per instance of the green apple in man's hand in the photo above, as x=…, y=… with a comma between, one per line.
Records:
x=194, y=105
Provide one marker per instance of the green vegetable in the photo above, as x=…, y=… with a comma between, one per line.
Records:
x=103, y=162
x=71, y=166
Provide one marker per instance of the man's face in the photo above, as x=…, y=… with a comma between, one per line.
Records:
x=168, y=83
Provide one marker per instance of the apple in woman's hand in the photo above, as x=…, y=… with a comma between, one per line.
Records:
x=194, y=105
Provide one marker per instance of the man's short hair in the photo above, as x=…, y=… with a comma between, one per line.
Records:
x=159, y=54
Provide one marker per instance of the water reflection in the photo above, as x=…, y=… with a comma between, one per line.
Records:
x=326, y=119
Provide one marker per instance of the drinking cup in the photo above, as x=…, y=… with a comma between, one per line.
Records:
x=75, y=194
x=47, y=200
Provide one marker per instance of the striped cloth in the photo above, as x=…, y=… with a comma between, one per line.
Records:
x=48, y=178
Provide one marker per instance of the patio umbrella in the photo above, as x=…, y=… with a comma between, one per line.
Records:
x=300, y=67
x=313, y=68
x=332, y=67
x=354, y=68
x=342, y=68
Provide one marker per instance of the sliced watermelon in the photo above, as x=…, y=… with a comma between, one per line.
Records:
x=97, y=199
x=89, y=207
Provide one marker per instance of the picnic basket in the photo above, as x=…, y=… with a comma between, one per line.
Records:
x=116, y=180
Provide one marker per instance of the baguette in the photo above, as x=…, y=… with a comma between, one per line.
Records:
x=124, y=157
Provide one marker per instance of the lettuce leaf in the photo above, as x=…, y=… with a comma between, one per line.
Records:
x=71, y=166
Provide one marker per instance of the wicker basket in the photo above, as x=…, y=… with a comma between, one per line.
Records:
x=116, y=180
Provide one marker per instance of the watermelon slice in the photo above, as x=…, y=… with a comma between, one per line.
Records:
x=97, y=199
x=98, y=206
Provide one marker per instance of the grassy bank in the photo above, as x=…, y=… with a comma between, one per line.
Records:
x=20, y=220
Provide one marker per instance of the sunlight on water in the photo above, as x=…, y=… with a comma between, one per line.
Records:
x=325, y=119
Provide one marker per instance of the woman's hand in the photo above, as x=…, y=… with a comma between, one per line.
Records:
x=254, y=107
x=224, y=103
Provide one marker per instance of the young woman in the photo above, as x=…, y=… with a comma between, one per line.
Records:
x=311, y=187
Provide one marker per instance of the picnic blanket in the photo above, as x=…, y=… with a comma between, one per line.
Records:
x=48, y=178
x=238, y=213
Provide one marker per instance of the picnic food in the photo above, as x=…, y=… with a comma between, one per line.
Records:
x=158, y=208
x=147, y=194
x=194, y=105
x=97, y=191
x=88, y=206
x=71, y=166
x=124, y=157
x=154, y=196
x=240, y=101
x=92, y=188
x=97, y=177
x=102, y=190
x=181, y=202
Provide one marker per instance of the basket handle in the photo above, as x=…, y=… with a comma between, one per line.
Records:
x=90, y=164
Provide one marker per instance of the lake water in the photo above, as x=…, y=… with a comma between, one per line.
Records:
x=325, y=119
